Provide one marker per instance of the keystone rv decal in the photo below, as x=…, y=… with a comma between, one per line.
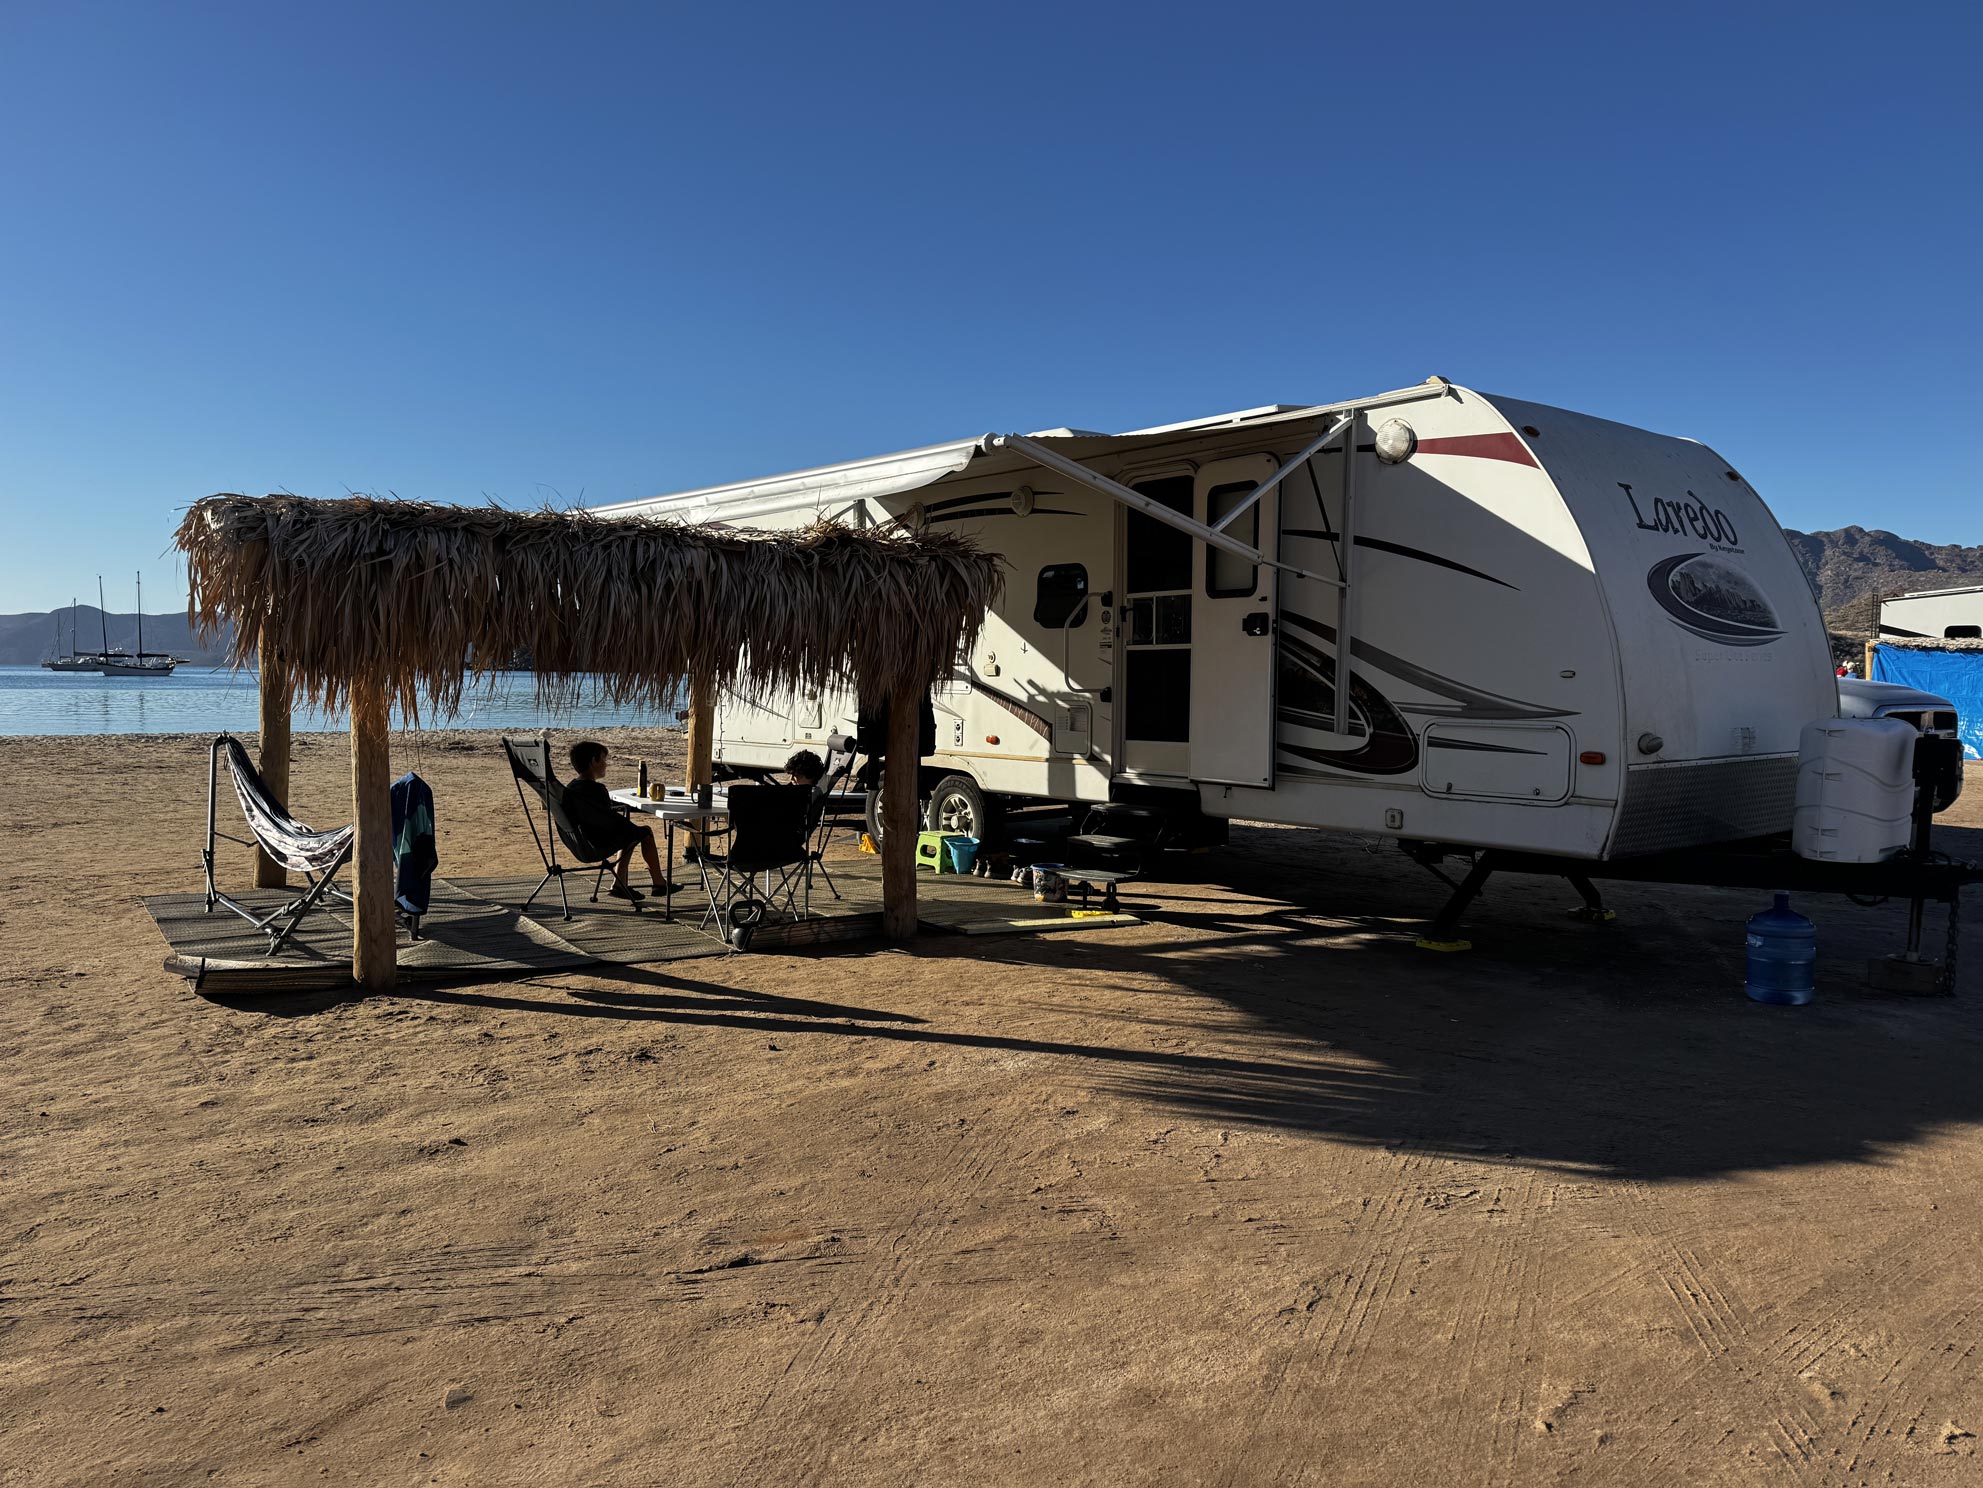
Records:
x=1706, y=594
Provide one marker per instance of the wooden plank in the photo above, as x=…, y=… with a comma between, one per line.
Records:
x=276, y=695
x=900, y=819
x=816, y=930
x=374, y=936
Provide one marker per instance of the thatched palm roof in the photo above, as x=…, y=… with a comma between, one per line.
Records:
x=420, y=599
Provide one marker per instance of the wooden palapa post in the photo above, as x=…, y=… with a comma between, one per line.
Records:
x=1868, y=673
x=899, y=799
x=374, y=937
x=700, y=768
x=277, y=696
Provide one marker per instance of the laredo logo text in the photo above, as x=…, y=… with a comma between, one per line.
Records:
x=1680, y=518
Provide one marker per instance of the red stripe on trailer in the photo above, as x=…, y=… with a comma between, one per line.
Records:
x=1481, y=447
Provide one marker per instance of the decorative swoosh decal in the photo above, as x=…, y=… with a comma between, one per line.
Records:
x=1017, y=709
x=1467, y=702
x=1400, y=549
x=1481, y=447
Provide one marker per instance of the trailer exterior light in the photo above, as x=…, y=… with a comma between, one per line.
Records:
x=991, y=738
x=1591, y=757
x=1395, y=442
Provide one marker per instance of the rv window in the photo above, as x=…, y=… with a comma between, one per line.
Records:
x=1962, y=632
x=1061, y=602
x=1228, y=574
x=1158, y=556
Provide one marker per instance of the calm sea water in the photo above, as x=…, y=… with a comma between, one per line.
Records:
x=198, y=700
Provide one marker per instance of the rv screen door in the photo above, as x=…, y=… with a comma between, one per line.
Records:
x=1232, y=672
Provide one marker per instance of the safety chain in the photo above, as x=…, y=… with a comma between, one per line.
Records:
x=1946, y=986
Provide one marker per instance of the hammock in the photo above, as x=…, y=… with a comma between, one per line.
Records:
x=316, y=855
x=281, y=836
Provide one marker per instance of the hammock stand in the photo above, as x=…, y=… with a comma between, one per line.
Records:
x=316, y=855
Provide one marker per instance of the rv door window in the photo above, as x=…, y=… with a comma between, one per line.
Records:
x=1227, y=575
x=1061, y=601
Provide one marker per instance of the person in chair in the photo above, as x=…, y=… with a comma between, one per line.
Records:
x=592, y=811
x=805, y=768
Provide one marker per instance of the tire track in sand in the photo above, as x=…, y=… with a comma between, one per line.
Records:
x=1504, y=1301
x=1329, y=1341
x=827, y=1365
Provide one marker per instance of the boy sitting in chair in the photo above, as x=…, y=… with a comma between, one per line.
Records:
x=591, y=810
x=805, y=768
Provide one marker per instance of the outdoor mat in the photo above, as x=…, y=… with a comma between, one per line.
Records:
x=962, y=903
x=609, y=930
x=462, y=935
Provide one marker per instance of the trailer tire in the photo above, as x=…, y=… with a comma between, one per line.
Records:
x=874, y=822
x=957, y=805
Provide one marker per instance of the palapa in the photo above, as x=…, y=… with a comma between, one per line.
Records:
x=368, y=603
x=421, y=599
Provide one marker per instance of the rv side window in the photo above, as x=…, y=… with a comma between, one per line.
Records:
x=1962, y=632
x=1061, y=602
x=1227, y=574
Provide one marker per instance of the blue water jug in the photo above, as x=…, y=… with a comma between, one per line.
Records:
x=1783, y=955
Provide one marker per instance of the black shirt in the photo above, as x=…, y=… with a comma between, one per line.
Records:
x=591, y=809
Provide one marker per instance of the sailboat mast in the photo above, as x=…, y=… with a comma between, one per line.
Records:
x=101, y=615
x=141, y=617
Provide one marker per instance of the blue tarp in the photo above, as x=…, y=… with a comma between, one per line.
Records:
x=1956, y=675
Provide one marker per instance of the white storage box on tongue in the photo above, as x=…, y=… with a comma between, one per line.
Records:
x=1855, y=789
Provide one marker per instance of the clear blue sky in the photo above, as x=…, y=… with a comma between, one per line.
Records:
x=587, y=251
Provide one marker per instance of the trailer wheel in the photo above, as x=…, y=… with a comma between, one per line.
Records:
x=957, y=805
x=875, y=826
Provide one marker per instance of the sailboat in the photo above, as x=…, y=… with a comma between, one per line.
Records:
x=144, y=663
x=74, y=661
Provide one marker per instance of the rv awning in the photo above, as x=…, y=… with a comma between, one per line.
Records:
x=850, y=481
x=1066, y=452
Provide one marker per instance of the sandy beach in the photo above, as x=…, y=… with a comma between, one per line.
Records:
x=1249, y=1193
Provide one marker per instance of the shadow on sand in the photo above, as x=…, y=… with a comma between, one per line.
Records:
x=1626, y=1050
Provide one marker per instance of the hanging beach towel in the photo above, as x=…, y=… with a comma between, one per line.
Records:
x=413, y=853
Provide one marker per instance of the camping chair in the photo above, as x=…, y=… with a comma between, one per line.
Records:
x=316, y=855
x=820, y=825
x=768, y=828
x=530, y=764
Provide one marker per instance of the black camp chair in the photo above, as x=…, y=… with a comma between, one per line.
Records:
x=530, y=764
x=768, y=825
x=316, y=855
x=820, y=823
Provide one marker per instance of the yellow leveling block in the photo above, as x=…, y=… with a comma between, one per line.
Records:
x=1427, y=943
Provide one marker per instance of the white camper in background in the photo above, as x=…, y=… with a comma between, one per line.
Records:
x=1567, y=636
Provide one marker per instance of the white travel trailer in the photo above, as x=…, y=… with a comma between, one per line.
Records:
x=1568, y=636
x=1939, y=614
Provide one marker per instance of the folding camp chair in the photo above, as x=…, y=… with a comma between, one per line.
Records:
x=530, y=764
x=316, y=855
x=767, y=835
x=820, y=824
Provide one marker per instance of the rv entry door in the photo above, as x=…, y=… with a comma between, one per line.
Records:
x=1232, y=674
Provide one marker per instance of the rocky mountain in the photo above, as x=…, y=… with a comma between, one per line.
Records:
x=26, y=640
x=1853, y=568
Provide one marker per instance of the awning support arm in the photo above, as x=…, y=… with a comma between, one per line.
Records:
x=1284, y=472
x=1345, y=595
x=1080, y=474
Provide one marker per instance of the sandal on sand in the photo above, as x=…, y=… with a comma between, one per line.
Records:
x=626, y=891
x=664, y=889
